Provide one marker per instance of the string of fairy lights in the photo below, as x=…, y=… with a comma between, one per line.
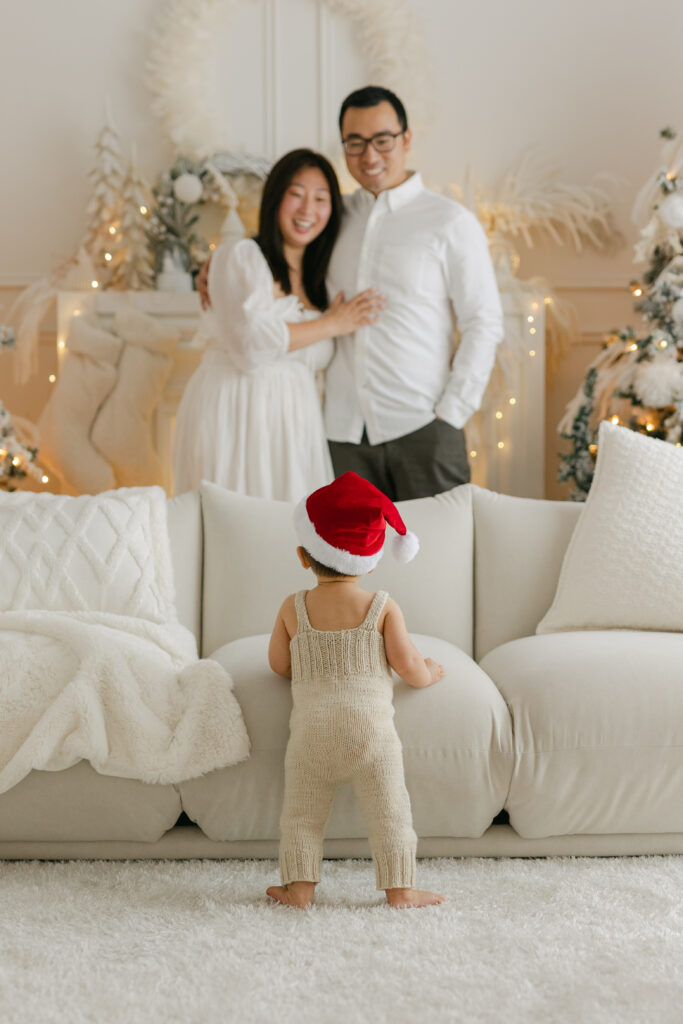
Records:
x=532, y=320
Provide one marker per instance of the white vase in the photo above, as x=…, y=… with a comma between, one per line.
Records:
x=174, y=281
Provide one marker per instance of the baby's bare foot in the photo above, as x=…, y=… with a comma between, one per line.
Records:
x=296, y=894
x=402, y=899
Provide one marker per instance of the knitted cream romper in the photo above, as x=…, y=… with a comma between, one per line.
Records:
x=341, y=730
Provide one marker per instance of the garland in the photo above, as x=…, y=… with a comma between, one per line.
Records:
x=180, y=64
x=179, y=193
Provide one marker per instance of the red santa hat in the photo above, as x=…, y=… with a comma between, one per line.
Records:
x=343, y=524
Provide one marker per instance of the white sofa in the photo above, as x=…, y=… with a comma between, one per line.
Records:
x=577, y=735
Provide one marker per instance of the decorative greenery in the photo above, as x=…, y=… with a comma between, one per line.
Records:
x=178, y=195
x=637, y=380
x=578, y=464
x=171, y=224
x=6, y=337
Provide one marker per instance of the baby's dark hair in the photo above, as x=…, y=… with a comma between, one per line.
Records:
x=323, y=570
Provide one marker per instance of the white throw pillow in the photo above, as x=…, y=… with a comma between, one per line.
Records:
x=250, y=565
x=622, y=568
x=122, y=432
x=87, y=376
x=107, y=553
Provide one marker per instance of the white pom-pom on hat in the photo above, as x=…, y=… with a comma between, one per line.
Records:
x=406, y=547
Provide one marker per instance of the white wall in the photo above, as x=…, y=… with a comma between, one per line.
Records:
x=590, y=83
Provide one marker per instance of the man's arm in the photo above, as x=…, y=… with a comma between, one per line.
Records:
x=473, y=291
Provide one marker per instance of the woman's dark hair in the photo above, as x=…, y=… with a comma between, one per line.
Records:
x=372, y=96
x=317, y=253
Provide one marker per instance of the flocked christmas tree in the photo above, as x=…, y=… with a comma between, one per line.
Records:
x=105, y=207
x=131, y=265
x=17, y=455
x=637, y=379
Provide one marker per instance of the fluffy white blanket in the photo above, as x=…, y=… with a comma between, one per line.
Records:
x=123, y=693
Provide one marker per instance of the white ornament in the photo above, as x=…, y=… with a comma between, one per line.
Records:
x=180, y=64
x=188, y=188
x=659, y=383
x=671, y=210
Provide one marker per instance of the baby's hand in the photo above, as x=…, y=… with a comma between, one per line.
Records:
x=435, y=670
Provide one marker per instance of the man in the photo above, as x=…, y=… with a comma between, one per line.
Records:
x=396, y=399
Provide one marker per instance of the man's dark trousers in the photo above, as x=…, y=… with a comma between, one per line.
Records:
x=429, y=461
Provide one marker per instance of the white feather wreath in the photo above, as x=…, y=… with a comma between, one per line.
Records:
x=181, y=66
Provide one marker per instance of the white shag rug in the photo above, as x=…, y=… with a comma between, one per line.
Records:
x=197, y=942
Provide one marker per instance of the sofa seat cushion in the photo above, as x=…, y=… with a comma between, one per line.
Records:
x=80, y=805
x=598, y=724
x=457, y=748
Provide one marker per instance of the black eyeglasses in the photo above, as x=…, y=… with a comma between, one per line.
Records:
x=382, y=142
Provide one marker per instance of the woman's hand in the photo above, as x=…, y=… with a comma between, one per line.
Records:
x=202, y=284
x=346, y=317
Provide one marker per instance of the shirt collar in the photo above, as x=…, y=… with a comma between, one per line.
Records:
x=398, y=196
x=403, y=193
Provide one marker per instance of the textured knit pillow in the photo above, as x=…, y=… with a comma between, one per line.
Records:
x=108, y=553
x=122, y=432
x=622, y=568
x=87, y=376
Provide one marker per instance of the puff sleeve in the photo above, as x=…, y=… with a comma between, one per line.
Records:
x=249, y=323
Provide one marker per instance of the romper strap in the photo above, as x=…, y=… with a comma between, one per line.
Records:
x=303, y=621
x=375, y=610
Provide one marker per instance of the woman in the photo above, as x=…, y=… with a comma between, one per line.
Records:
x=250, y=417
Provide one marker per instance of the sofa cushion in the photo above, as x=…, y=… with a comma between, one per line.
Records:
x=107, y=553
x=519, y=544
x=622, y=569
x=457, y=748
x=80, y=805
x=598, y=725
x=250, y=565
x=185, y=535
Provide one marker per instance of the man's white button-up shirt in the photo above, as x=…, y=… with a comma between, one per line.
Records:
x=429, y=257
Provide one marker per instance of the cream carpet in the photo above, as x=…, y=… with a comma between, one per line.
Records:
x=197, y=942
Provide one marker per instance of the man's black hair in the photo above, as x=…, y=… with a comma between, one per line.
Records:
x=372, y=96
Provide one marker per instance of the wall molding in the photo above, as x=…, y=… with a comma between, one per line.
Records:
x=592, y=284
x=574, y=284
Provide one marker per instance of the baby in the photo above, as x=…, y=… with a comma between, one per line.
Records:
x=337, y=643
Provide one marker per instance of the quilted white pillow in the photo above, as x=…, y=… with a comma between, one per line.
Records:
x=108, y=552
x=622, y=569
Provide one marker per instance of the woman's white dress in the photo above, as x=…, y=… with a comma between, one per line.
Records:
x=250, y=418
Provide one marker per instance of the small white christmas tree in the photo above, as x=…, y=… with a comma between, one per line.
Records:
x=132, y=264
x=104, y=208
